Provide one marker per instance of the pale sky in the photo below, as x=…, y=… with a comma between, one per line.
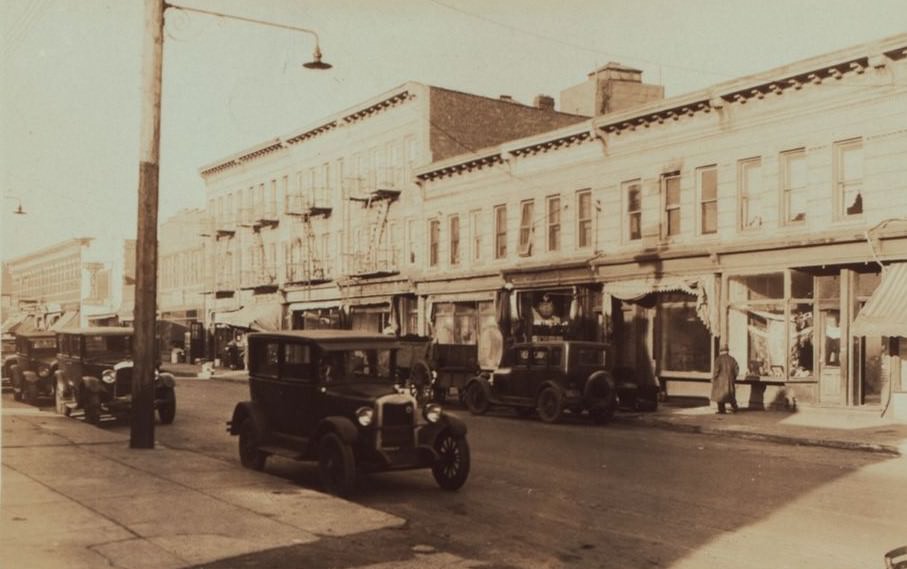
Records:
x=70, y=101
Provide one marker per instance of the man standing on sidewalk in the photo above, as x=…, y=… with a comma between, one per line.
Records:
x=723, y=379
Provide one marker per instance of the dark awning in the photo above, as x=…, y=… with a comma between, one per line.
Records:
x=885, y=314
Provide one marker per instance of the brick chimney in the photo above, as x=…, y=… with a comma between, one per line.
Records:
x=611, y=88
x=544, y=102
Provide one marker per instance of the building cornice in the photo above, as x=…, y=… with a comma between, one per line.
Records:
x=80, y=241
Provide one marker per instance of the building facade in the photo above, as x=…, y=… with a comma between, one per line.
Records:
x=323, y=227
x=757, y=213
x=67, y=284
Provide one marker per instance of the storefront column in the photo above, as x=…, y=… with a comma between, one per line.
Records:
x=848, y=298
x=723, y=308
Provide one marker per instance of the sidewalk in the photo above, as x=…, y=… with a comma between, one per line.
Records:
x=195, y=370
x=852, y=429
x=75, y=496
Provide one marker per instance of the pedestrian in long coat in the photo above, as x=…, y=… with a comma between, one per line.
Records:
x=724, y=375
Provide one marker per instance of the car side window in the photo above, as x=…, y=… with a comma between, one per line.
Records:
x=297, y=362
x=540, y=357
x=524, y=356
x=265, y=358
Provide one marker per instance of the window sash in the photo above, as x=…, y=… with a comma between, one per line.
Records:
x=527, y=210
x=584, y=218
x=554, y=223
x=434, y=232
x=794, y=185
x=671, y=188
x=455, y=240
x=500, y=228
x=708, y=200
x=750, y=192
x=849, y=178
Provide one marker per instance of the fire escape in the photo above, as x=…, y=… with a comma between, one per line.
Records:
x=306, y=266
x=377, y=256
x=261, y=274
x=221, y=281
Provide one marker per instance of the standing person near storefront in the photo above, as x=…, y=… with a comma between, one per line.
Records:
x=724, y=376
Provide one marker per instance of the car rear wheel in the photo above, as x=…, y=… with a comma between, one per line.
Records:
x=250, y=437
x=477, y=400
x=336, y=465
x=451, y=469
x=166, y=411
x=550, y=405
x=93, y=408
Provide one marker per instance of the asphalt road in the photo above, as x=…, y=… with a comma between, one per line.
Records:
x=578, y=495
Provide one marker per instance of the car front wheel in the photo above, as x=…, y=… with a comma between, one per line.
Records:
x=477, y=398
x=451, y=469
x=336, y=465
x=550, y=405
x=167, y=409
x=249, y=438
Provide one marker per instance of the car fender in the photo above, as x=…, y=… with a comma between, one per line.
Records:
x=166, y=379
x=92, y=384
x=244, y=410
x=453, y=424
x=343, y=427
x=596, y=383
x=30, y=376
x=553, y=384
x=482, y=380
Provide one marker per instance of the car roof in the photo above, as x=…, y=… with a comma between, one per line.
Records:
x=38, y=334
x=99, y=331
x=330, y=338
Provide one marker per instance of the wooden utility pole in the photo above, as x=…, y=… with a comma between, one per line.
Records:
x=141, y=434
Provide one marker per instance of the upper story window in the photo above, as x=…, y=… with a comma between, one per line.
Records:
x=849, y=178
x=584, y=218
x=476, y=222
x=793, y=186
x=454, y=239
x=554, y=223
x=708, y=199
x=670, y=186
x=434, y=241
x=500, y=231
x=633, y=207
x=527, y=212
x=749, y=193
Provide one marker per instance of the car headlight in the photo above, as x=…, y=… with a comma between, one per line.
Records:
x=432, y=412
x=109, y=376
x=43, y=371
x=365, y=415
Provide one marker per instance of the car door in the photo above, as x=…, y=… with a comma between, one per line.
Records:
x=264, y=378
x=300, y=382
x=538, y=372
x=507, y=385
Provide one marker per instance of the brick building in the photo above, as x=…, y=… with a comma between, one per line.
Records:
x=756, y=213
x=323, y=227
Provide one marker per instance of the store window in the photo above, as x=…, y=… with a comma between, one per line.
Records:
x=685, y=342
x=770, y=324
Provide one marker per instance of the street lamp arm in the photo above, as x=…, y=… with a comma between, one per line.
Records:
x=245, y=19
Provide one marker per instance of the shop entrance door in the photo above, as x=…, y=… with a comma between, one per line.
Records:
x=828, y=333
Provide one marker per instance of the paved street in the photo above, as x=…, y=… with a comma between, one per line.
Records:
x=575, y=495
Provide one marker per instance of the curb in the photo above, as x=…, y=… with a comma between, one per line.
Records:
x=882, y=448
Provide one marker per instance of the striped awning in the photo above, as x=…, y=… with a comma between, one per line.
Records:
x=885, y=314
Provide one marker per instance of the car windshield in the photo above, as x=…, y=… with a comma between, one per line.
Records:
x=357, y=365
x=98, y=345
x=44, y=345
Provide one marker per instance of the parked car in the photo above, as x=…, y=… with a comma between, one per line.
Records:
x=548, y=377
x=8, y=352
x=35, y=366
x=334, y=396
x=95, y=375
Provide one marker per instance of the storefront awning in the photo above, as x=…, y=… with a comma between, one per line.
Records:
x=885, y=314
x=702, y=287
x=314, y=305
x=70, y=319
x=262, y=317
x=10, y=324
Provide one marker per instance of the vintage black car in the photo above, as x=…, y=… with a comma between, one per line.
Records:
x=95, y=375
x=334, y=396
x=8, y=352
x=548, y=377
x=36, y=363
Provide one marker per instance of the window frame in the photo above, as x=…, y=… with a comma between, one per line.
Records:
x=626, y=187
x=553, y=223
x=527, y=231
x=434, y=242
x=500, y=231
x=668, y=208
x=702, y=203
x=584, y=225
x=840, y=183
x=453, y=231
x=745, y=193
x=475, y=219
x=787, y=189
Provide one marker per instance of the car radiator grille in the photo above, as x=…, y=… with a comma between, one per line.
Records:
x=123, y=385
x=397, y=425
